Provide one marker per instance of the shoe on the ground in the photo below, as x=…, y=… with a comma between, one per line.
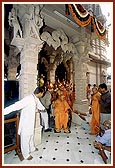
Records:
x=48, y=130
x=56, y=131
x=30, y=158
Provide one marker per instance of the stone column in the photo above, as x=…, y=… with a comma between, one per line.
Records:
x=29, y=45
x=29, y=48
x=80, y=87
x=28, y=73
x=80, y=79
x=81, y=103
x=28, y=77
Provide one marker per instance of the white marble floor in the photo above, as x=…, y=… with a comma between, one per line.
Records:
x=59, y=149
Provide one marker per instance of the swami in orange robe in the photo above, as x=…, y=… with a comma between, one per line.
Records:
x=95, y=109
x=61, y=107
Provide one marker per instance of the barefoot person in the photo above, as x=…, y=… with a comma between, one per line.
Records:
x=28, y=106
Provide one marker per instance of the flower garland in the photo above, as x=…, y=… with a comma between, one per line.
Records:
x=100, y=29
x=83, y=18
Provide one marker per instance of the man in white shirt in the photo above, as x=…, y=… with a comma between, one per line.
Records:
x=28, y=106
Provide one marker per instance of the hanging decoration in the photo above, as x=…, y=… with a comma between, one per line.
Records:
x=83, y=18
x=100, y=29
x=80, y=15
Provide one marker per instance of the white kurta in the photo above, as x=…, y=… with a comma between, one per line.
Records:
x=28, y=106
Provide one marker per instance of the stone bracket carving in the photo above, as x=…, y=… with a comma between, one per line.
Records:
x=59, y=38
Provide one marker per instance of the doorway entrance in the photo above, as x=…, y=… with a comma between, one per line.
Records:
x=61, y=73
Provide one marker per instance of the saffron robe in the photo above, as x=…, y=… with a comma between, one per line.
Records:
x=95, y=108
x=61, y=114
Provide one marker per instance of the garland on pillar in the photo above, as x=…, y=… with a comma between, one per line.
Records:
x=83, y=18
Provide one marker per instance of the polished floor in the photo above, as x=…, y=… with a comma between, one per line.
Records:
x=56, y=149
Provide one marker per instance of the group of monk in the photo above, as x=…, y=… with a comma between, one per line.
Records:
x=62, y=100
x=63, y=96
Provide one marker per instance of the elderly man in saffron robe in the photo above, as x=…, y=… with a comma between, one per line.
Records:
x=95, y=108
x=61, y=108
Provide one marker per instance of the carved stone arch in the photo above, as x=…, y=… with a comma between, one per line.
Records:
x=63, y=51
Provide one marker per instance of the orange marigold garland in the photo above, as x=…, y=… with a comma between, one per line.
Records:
x=82, y=21
x=83, y=18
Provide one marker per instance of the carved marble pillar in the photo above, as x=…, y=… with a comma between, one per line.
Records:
x=28, y=76
x=29, y=61
x=80, y=79
x=80, y=86
x=81, y=103
x=29, y=45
